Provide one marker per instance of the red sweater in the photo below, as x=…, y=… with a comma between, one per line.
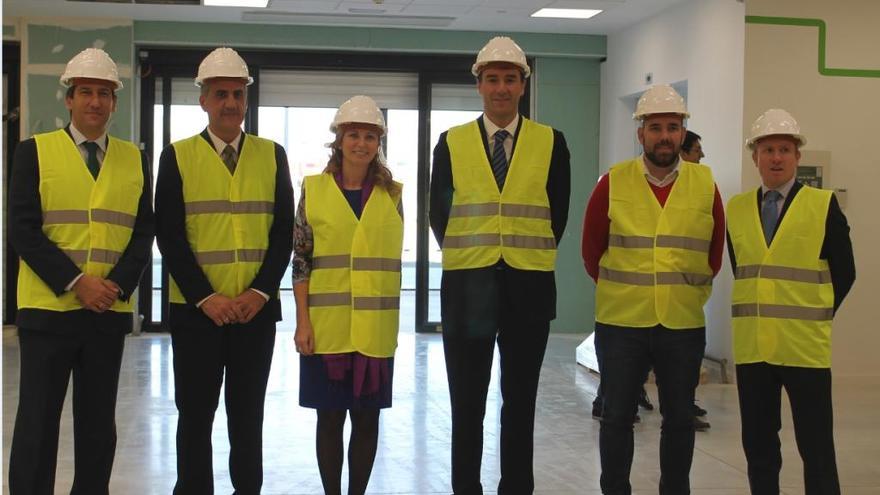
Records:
x=597, y=224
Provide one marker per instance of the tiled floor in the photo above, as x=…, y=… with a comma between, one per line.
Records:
x=413, y=453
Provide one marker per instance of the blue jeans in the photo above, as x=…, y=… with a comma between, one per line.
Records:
x=627, y=354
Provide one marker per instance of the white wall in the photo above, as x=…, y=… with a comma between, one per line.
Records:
x=837, y=114
x=700, y=42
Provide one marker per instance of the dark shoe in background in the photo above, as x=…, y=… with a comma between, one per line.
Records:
x=644, y=401
x=701, y=425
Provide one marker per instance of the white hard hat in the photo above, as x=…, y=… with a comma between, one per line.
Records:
x=772, y=122
x=501, y=49
x=223, y=62
x=661, y=98
x=91, y=63
x=359, y=109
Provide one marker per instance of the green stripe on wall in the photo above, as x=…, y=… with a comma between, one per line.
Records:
x=819, y=23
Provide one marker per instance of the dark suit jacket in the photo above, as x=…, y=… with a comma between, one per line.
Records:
x=529, y=293
x=179, y=256
x=836, y=247
x=53, y=266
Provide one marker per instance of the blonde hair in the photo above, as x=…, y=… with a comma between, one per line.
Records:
x=377, y=171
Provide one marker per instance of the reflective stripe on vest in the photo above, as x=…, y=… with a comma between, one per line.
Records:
x=656, y=268
x=485, y=224
x=89, y=220
x=354, y=285
x=783, y=299
x=228, y=216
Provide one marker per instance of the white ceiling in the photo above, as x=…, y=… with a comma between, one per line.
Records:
x=465, y=15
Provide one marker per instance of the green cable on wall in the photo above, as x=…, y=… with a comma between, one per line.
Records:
x=819, y=23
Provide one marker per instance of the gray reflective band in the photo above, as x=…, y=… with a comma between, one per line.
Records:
x=681, y=242
x=677, y=278
x=473, y=210
x=215, y=257
x=78, y=256
x=747, y=271
x=525, y=211
x=663, y=278
x=253, y=207
x=630, y=278
x=212, y=206
x=330, y=299
x=466, y=241
x=782, y=311
x=105, y=256
x=113, y=217
x=630, y=241
x=376, y=264
x=251, y=254
x=226, y=206
x=784, y=273
x=334, y=261
x=529, y=241
x=376, y=303
x=65, y=216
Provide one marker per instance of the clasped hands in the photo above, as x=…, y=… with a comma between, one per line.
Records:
x=223, y=310
x=95, y=293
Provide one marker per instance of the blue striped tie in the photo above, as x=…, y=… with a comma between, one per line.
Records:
x=499, y=158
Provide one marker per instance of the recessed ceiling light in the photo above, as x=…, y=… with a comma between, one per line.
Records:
x=567, y=13
x=255, y=4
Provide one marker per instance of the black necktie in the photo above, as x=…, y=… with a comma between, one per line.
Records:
x=499, y=158
x=92, y=158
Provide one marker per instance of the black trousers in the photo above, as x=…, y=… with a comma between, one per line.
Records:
x=809, y=392
x=47, y=361
x=202, y=353
x=469, y=346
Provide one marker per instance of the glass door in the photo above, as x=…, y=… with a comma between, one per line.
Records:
x=175, y=114
x=450, y=101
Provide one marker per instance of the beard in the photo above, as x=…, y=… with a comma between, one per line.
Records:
x=662, y=160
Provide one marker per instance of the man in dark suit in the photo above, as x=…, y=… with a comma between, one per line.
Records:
x=499, y=206
x=793, y=265
x=82, y=222
x=224, y=211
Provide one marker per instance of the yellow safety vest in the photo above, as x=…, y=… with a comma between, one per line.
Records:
x=354, y=286
x=656, y=268
x=486, y=224
x=90, y=220
x=783, y=299
x=228, y=216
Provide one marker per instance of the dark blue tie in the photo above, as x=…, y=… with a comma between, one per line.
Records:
x=769, y=214
x=92, y=158
x=499, y=158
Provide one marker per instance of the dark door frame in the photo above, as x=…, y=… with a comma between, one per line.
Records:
x=166, y=63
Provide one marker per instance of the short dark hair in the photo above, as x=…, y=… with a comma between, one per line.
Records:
x=522, y=73
x=72, y=89
x=690, y=138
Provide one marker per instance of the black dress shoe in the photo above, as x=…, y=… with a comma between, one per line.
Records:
x=645, y=402
x=699, y=411
x=701, y=425
x=597, y=408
